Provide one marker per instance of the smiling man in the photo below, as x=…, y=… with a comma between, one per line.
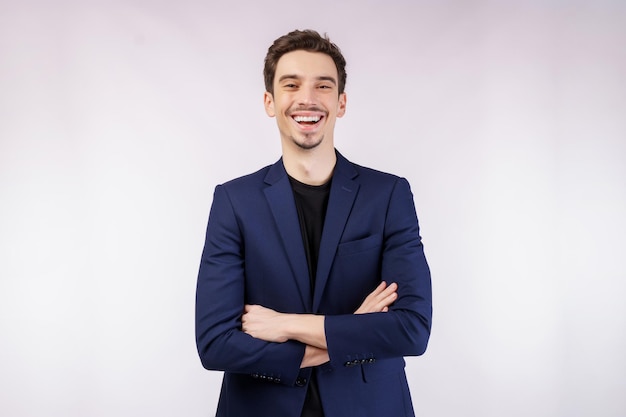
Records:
x=313, y=284
x=306, y=100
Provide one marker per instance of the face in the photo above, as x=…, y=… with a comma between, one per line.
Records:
x=306, y=99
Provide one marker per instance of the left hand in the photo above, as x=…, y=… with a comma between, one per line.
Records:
x=263, y=323
x=380, y=299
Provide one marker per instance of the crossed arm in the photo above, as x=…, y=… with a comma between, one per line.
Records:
x=271, y=326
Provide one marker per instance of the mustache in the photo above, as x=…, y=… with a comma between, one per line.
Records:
x=306, y=108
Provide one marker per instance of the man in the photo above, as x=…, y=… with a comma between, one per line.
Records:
x=293, y=301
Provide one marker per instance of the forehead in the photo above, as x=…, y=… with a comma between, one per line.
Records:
x=306, y=64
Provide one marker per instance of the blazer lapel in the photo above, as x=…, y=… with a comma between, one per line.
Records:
x=280, y=198
x=343, y=192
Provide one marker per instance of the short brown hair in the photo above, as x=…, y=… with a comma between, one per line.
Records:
x=307, y=40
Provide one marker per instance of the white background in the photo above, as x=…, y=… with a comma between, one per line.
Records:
x=117, y=119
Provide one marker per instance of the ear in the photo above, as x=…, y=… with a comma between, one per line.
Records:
x=341, y=107
x=268, y=101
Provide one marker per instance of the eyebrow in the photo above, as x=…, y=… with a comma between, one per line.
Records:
x=297, y=77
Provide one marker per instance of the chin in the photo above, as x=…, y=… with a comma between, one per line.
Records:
x=307, y=143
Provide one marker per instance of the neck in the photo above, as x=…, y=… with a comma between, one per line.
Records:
x=312, y=167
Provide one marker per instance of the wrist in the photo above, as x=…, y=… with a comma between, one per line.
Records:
x=314, y=356
x=294, y=326
x=306, y=328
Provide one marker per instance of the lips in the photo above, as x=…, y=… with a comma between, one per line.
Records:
x=307, y=119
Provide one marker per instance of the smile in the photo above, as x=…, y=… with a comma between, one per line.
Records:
x=307, y=119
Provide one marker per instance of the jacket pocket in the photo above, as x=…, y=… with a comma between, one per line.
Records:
x=361, y=245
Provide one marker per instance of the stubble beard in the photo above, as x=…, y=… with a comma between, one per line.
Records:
x=306, y=144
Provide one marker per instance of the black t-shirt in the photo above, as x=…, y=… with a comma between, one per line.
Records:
x=311, y=203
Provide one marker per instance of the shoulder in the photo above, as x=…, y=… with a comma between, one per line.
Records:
x=377, y=184
x=366, y=175
x=246, y=181
x=376, y=175
x=243, y=192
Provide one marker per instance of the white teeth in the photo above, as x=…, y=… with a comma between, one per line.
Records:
x=313, y=119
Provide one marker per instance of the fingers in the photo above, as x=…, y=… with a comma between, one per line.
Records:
x=385, y=299
x=383, y=295
x=392, y=288
x=383, y=290
x=380, y=299
x=381, y=287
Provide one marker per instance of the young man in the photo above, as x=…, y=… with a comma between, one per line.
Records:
x=313, y=283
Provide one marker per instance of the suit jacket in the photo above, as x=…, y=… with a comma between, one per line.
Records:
x=254, y=254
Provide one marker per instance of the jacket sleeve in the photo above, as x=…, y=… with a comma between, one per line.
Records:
x=405, y=329
x=220, y=299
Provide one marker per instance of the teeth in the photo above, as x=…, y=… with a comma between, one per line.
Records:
x=313, y=119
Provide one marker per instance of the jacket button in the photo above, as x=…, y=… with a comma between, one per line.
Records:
x=371, y=360
x=301, y=382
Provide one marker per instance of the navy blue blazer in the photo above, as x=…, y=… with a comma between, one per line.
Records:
x=254, y=254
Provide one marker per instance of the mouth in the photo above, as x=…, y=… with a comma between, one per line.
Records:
x=307, y=120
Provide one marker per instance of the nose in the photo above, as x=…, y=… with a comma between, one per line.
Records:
x=306, y=96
